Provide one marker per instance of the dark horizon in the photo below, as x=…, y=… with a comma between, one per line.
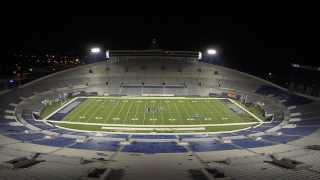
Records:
x=255, y=44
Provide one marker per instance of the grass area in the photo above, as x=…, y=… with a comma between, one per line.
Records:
x=257, y=111
x=156, y=112
x=52, y=107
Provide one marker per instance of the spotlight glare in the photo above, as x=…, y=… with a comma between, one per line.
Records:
x=212, y=51
x=95, y=50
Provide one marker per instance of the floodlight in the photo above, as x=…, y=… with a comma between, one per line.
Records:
x=212, y=51
x=95, y=50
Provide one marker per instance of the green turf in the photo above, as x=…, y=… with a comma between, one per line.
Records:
x=153, y=111
x=257, y=111
x=52, y=107
x=156, y=112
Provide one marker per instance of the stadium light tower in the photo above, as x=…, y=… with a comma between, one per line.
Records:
x=95, y=50
x=212, y=52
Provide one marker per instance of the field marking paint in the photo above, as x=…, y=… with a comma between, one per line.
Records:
x=144, y=112
x=101, y=108
x=66, y=104
x=244, y=109
x=122, y=125
x=87, y=111
x=176, y=133
x=96, y=109
x=148, y=98
x=153, y=106
x=206, y=113
x=212, y=109
x=128, y=111
x=121, y=108
x=168, y=110
x=175, y=106
x=136, y=109
x=109, y=114
x=115, y=119
x=184, y=110
x=156, y=129
x=131, y=125
x=161, y=113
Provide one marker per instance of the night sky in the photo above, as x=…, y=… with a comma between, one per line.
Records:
x=250, y=42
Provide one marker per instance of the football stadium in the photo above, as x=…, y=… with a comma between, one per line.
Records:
x=157, y=114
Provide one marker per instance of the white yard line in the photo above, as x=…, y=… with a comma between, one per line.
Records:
x=156, y=126
x=101, y=108
x=177, y=110
x=155, y=129
x=147, y=97
x=136, y=109
x=107, y=119
x=244, y=109
x=144, y=112
x=127, y=115
x=160, y=111
x=153, y=109
x=131, y=125
x=209, y=109
x=61, y=108
x=176, y=133
x=168, y=110
x=93, y=113
x=123, y=104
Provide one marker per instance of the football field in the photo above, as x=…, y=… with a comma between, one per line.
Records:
x=153, y=113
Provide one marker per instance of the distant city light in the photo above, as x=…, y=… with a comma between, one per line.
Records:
x=212, y=51
x=296, y=65
x=95, y=50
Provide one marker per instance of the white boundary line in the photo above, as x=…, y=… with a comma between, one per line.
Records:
x=145, y=97
x=66, y=104
x=164, y=126
x=152, y=133
x=139, y=97
x=244, y=109
x=156, y=129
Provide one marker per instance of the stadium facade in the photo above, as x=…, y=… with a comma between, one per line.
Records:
x=286, y=147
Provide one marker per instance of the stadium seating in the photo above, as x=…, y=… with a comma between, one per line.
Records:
x=202, y=146
x=245, y=146
x=98, y=145
x=154, y=147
